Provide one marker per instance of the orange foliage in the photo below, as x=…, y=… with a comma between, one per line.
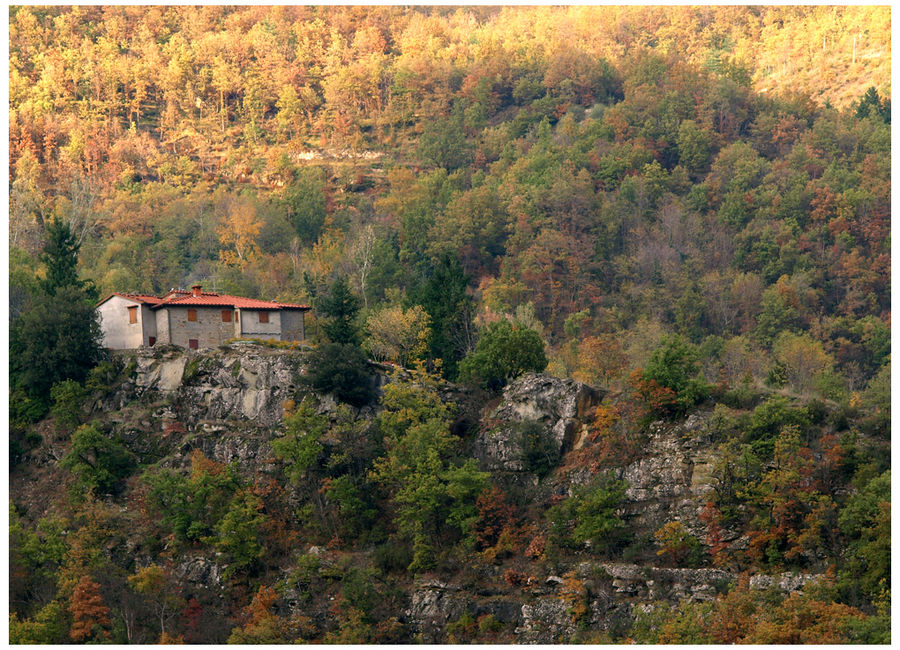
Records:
x=200, y=465
x=88, y=610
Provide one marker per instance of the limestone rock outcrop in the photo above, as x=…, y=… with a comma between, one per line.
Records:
x=552, y=409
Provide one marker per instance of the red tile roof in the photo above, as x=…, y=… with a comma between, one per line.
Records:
x=210, y=299
x=181, y=297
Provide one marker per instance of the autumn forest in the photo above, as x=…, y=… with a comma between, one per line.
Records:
x=687, y=208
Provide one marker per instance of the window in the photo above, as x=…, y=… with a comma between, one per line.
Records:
x=132, y=314
x=226, y=315
x=192, y=315
x=193, y=344
x=263, y=317
x=152, y=341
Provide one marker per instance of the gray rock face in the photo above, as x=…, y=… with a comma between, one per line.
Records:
x=229, y=402
x=237, y=381
x=672, y=480
x=630, y=581
x=201, y=572
x=546, y=620
x=433, y=605
x=787, y=582
x=554, y=407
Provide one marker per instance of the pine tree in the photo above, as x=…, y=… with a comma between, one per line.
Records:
x=60, y=257
x=340, y=306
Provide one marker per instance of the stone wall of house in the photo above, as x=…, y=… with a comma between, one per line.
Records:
x=250, y=327
x=293, y=325
x=118, y=333
x=209, y=330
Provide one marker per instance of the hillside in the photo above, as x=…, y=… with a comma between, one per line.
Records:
x=213, y=512
x=631, y=266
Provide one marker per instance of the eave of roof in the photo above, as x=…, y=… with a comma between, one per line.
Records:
x=224, y=300
x=136, y=297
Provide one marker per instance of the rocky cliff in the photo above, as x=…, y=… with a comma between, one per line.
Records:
x=229, y=404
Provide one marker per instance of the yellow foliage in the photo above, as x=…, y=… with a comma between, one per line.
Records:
x=398, y=335
x=237, y=235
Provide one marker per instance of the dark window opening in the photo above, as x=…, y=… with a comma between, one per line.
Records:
x=263, y=317
x=152, y=341
x=192, y=315
x=193, y=344
x=132, y=314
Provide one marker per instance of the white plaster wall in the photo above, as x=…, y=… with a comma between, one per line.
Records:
x=252, y=328
x=147, y=319
x=118, y=333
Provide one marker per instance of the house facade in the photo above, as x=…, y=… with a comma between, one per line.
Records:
x=195, y=319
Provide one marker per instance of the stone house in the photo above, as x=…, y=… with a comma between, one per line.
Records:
x=195, y=319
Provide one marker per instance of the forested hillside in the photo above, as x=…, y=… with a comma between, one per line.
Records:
x=688, y=208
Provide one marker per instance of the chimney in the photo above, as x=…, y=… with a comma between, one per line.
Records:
x=195, y=291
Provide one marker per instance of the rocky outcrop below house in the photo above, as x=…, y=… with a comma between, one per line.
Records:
x=239, y=381
x=229, y=404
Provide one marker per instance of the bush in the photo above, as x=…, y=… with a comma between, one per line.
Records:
x=99, y=462
x=678, y=545
x=743, y=396
x=504, y=351
x=341, y=370
x=393, y=557
x=101, y=377
x=767, y=421
x=68, y=399
x=670, y=384
x=541, y=453
x=57, y=339
x=190, y=507
x=590, y=515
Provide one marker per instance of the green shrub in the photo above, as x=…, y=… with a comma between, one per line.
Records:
x=504, y=351
x=541, y=453
x=393, y=556
x=101, y=377
x=68, y=399
x=237, y=533
x=590, y=516
x=743, y=396
x=98, y=461
x=767, y=421
x=191, y=506
x=670, y=383
x=340, y=370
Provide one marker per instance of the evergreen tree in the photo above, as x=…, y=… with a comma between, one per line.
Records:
x=444, y=297
x=339, y=366
x=340, y=370
x=340, y=306
x=872, y=104
x=57, y=339
x=57, y=336
x=60, y=257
